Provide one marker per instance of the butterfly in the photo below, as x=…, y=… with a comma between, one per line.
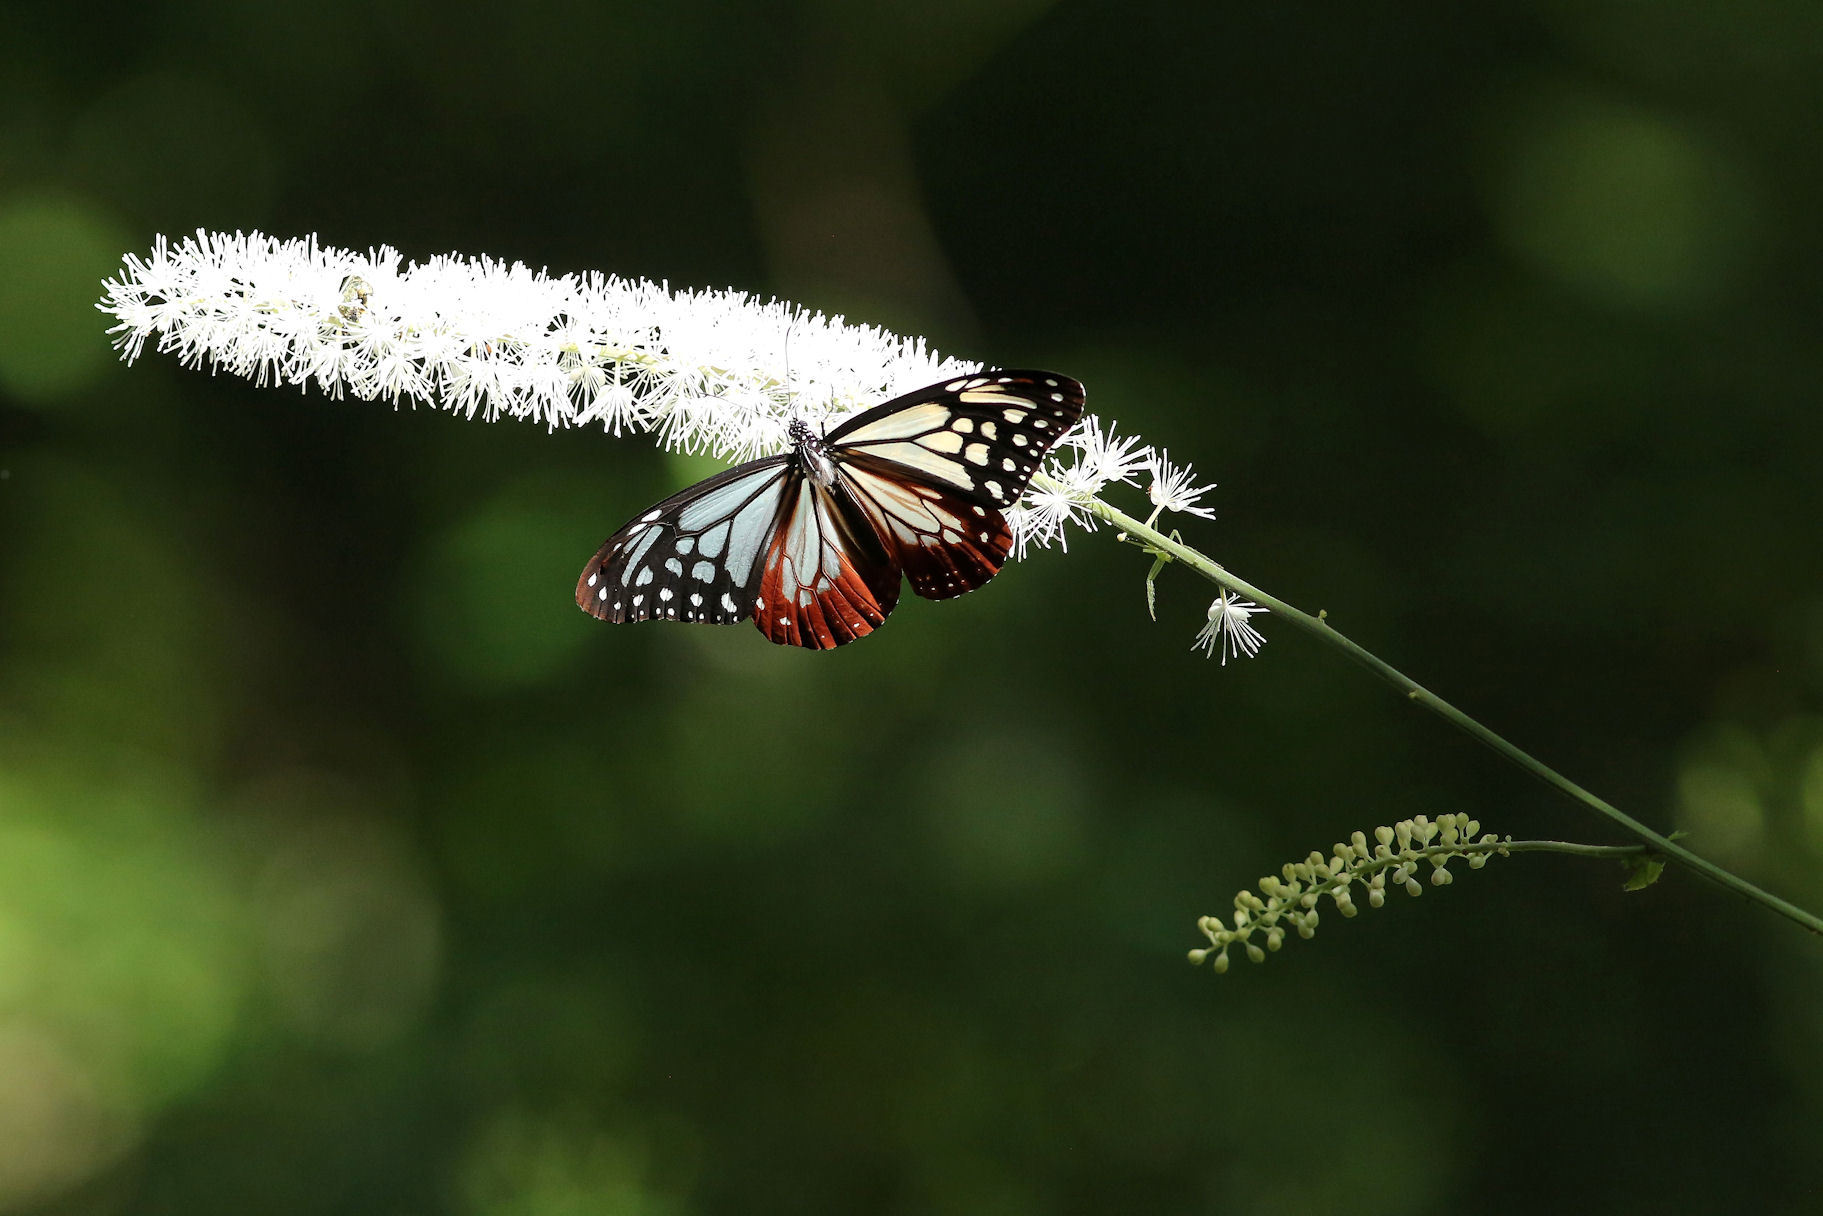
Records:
x=811, y=545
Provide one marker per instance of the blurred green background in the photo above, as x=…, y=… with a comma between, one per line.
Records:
x=346, y=867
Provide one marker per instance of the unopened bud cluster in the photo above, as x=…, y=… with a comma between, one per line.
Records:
x=1398, y=855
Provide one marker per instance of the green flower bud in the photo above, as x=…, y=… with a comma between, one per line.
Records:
x=1291, y=900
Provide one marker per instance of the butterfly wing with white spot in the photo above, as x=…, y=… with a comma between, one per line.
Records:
x=932, y=469
x=827, y=577
x=979, y=437
x=698, y=555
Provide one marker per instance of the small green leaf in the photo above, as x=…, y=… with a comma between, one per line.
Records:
x=1152, y=584
x=1642, y=871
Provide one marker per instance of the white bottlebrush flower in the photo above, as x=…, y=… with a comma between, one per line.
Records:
x=1174, y=487
x=1230, y=627
x=703, y=370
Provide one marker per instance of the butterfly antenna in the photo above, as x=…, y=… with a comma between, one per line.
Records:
x=790, y=404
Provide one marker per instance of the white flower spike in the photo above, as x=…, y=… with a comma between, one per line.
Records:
x=704, y=371
x=720, y=372
x=1230, y=626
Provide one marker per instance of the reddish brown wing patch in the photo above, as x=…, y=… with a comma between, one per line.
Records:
x=947, y=545
x=827, y=579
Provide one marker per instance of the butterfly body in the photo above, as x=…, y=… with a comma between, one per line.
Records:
x=812, y=454
x=811, y=545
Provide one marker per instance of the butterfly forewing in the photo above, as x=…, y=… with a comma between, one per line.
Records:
x=828, y=580
x=932, y=469
x=980, y=437
x=695, y=556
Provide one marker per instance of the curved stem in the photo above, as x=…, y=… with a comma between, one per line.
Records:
x=1570, y=848
x=1317, y=627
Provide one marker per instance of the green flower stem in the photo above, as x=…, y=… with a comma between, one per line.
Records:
x=1317, y=627
x=1504, y=847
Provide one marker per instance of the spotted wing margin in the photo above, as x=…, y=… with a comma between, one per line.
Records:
x=947, y=545
x=696, y=556
x=978, y=437
x=827, y=578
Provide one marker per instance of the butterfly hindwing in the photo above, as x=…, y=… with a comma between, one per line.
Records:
x=946, y=545
x=979, y=437
x=695, y=556
x=827, y=579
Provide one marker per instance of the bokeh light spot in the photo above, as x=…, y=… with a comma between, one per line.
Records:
x=1621, y=203
x=351, y=934
x=55, y=1129
x=125, y=971
x=1810, y=796
x=533, y=1165
x=54, y=253
x=1719, y=805
x=493, y=597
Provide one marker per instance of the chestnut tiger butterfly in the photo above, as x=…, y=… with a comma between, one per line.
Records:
x=811, y=545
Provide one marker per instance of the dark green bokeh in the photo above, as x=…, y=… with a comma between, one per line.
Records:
x=345, y=867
